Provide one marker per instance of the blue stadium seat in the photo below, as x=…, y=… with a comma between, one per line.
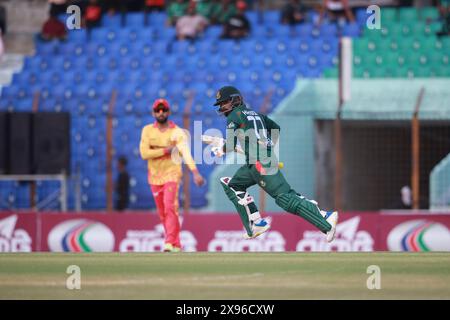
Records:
x=361, y=16
x=45, y=48
x=10, y=92
x=24, y=104
x=213, y=32
x=328, y=30
x=135, y=19
x=254, y=17
x=351, y=30
x=157, y=19
x=77, y=36
x=259, y=32
x=111, y=21
x=304, y=30
x=283, y=31
x=271, y=17
x=166, y=33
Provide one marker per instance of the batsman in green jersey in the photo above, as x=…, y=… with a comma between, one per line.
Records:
x=257, y=135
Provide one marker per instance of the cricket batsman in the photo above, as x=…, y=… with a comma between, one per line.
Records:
x=254, y=131
x=161, y=142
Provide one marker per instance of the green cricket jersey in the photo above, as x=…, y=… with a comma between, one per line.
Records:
x=255, y=132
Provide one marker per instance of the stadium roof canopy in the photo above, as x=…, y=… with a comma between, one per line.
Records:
x=371, y=99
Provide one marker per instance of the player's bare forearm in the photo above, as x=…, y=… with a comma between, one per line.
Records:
x=153, y=153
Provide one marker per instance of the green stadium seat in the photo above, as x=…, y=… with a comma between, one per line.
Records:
x=379, y=59
x=435, y=72
x=432, y=28
x=395, y=31
x=400, y=72
x=372, y=45
x=368, y=59
x=400, y=30
x=365, y=74
x=363, y=45
x=394, y=45
x=357, y=59
x=405, y=44
x=331, y=73
x=439, y=59
x=408, y=14
x=417, y=28
x=360, y=46
x=444, y=72
x=388, y=14
x=416, y=59
x=445, y=43
x=410, y=44
x=430, y=43
x=358, y=72
x=391, y=60
x=390, y=71
x=376, y=72
x=429, y=13
x=422, y=72
x=376, y=34
x=407, y=30
x=382, y=45
x=416, y=44
x=402, y=59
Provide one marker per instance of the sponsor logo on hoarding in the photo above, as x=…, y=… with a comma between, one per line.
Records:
x=12, y=239
x=153, y=240
x=419, y=235
x=348, y=238
x=234, y=241
x=81, y=235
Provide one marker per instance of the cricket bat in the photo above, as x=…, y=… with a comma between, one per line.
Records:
x=220, y=141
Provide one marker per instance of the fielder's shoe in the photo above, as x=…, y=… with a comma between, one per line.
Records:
x=332, y=218
x=176, y=249
x=168, y=247
x=258, y=228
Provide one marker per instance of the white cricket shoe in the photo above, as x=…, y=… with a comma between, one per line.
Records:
x=332, y=218
x=259, y=228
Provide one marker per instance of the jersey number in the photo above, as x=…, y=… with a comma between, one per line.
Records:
x=256, y=119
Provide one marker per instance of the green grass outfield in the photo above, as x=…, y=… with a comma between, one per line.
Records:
x=225, y=276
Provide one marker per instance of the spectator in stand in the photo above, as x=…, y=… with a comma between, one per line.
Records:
x=134, y=5
x=444, y=10
x=293, y=12
x=154, y=5
x=191, y=25
x=58, y=6
x=204, y=8
x=114, y=6
x=2, y=20
x=222, y=11
x=92, y=14
x=176, y=10
x=404, y=202
x=122, y=185
x=337, y=11
x=53, y=28
x=2, y=49
x=237, y=26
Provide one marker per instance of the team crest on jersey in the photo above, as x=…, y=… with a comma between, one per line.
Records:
x=262, y=183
